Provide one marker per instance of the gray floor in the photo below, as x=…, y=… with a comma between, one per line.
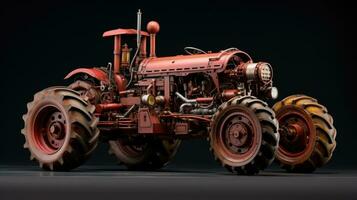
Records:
x=107, y=182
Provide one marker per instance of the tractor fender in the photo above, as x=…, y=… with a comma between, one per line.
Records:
x=93, y=72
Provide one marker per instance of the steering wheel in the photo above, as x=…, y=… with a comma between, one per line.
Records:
x=194, y=50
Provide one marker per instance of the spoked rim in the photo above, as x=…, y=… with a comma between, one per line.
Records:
x=297, y=134
x=238, y=139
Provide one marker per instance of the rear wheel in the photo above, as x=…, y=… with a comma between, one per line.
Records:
x=144, y=154
x=60, y=129
x=308, y=137
x=243, y=135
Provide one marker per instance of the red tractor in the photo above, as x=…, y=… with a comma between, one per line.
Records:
x=145, y=105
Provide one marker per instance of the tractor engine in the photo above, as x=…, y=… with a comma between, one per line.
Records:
x=198, y=83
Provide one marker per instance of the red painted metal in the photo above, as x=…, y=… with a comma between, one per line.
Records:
x=230, y=93
x=121, y=31
x=149, y=122
x=183, y=65
x=120, y=82
x=93, y=72
x=204, y=100
x=117, y=47
x=153, y=28
x=54, y=129
x=130, y=101
x=143, y=48
x=108, y=106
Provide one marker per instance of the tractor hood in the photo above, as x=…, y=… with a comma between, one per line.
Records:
x=182, y=65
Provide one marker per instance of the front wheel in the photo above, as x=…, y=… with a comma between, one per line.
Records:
x=60, y=129
x=243, y=135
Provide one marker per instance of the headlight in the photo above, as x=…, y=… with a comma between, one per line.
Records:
x=148, y=99
x=260, y=72
x=265, y=72
x=273, y=93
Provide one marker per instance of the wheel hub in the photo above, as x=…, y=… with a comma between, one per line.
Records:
x=56, y=130
x=238, y=134
x=297, y=134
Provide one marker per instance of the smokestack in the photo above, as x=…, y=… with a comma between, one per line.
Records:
x=153, y=27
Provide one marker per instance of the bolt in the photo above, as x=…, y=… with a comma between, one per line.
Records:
x=236, y=134
x=53, y=129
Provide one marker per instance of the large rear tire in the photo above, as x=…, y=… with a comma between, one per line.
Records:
x=308, y=137
x=144, y=154
x=244, y=135
x=60, y=129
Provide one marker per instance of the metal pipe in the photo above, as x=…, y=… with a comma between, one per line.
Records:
x=229, y=93
x=138, y=42
x=126, y=92
x=185, y=99
x=138, y=35
x=129, y=111
x=182, y=107
x=143, y=48
x=204, y=99
x=117, y=44
x=152, y=45
x=197, y=100
x=109, y=106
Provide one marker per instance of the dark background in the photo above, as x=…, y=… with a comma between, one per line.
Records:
x=306, y=43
